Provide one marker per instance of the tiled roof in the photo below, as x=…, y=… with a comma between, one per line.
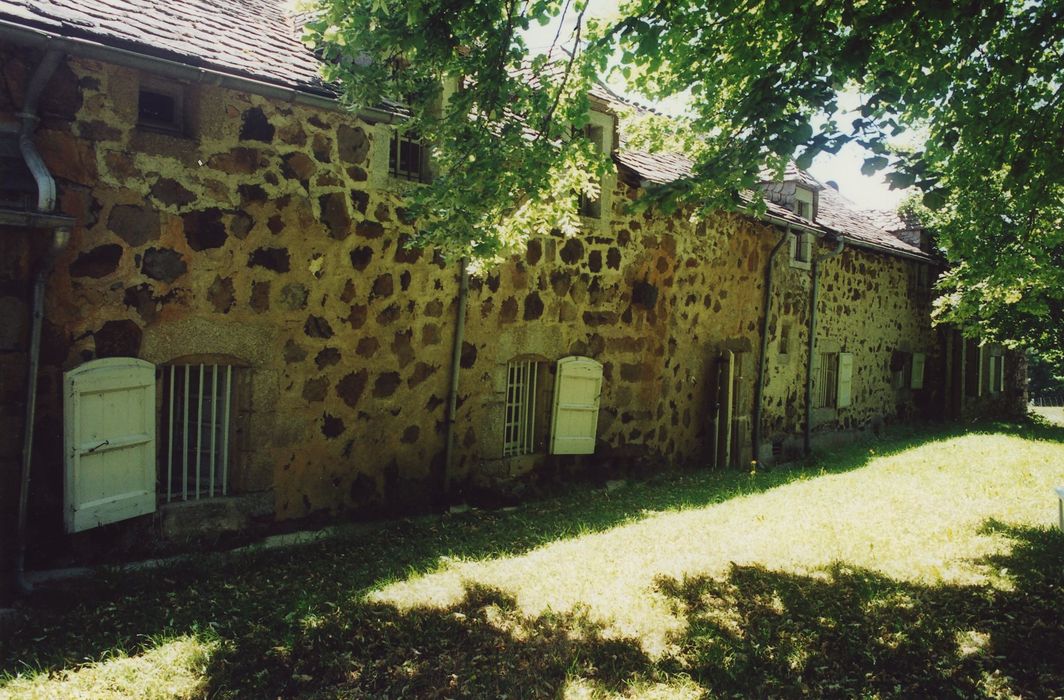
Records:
x=894, y=221
x=791, y=172
x=656, y=168
x=835, y=213
x=259, y=39
x=250, y=38
x=840, y=214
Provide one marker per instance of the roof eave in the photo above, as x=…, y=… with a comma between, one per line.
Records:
x=921, y=257
x=32, y=36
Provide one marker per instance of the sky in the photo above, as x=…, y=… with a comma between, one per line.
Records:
x=843, y=167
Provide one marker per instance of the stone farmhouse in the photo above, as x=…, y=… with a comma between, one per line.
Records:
x=204, y=277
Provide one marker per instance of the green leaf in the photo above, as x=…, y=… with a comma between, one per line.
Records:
x=934, y=200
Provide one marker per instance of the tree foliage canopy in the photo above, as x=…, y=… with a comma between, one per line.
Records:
x=980, y=83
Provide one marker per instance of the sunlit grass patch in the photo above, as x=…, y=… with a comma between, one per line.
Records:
x=174, y=668
x=920, y=565
x=1054, y=414
x=915, y=516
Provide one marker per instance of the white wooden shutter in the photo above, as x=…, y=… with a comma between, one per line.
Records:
x=109, y=436
x=577, y=386
x=818, y=378
x=845, y=380
x=919, y=360
x=981, y=372
x=1001, y=373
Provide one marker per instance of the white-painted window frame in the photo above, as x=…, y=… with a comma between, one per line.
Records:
x=800, y=245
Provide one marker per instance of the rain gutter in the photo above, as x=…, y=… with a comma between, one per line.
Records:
x=60, y=236
x=456, y=367
x=759, y=392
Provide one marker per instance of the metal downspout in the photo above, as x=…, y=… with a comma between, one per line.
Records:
x=456, y=363
x=755, y=431
x=60, y=236
x=814, y=301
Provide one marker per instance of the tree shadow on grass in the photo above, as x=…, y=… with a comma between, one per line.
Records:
x=257, y=603
x=480, y=647
x=851, y=632
x=753, y=633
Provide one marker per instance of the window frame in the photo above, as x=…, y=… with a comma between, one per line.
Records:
x=587, y=207
x=804, y=199
x=521, y=402
x=411, y=140
x=800, y=249
x=826, y=381
x=186, y=485
x=175, y=91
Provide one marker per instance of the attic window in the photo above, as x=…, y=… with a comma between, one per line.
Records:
x=588, y=206
x=803, y=203
x=161, y=107
x=408, y=157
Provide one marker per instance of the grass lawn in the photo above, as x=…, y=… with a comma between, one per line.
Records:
x=924, y=564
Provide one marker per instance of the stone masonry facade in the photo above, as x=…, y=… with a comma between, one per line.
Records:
x=272, y=238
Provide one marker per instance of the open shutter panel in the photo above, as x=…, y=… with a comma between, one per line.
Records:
x=980, y=372
x=109, y=442
x=577, y=386
x=725, y=402
x=814, y=368
x=919, y=359
x=1001, y=373
x=845, y=378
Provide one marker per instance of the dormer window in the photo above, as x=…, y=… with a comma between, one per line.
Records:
x=803, y=203
x=591, y=207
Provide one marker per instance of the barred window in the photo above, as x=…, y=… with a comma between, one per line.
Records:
x=195, y=439
x=522, y=382
x=826, y=381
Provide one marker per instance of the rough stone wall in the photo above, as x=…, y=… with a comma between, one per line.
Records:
x=869, y=306
x=272, y=237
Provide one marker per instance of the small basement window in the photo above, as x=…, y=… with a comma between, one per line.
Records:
x=161, y=106
x=195, y=436
x=408, y=157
